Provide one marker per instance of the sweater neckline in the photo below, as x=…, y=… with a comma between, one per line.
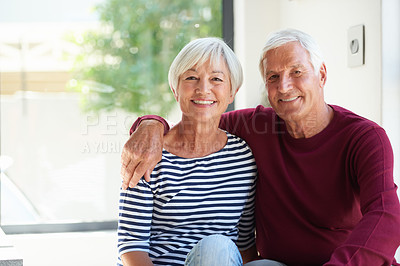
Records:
x=229, y=137
x=317, y=137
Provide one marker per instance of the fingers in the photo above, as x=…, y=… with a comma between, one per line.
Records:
x=126, y=177
x=129, y=162
x=137, y=167
x=150, y=169
x=147, y=175
x=131, y=173
x=125, y=161
x=144, y=168
x=141, y=153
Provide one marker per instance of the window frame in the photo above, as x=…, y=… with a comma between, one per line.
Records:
x=228, y=37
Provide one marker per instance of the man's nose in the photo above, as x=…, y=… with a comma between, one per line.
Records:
x=285, y=84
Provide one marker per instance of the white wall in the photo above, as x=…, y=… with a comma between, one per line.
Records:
x=391, y=80
x=358, y=89
x=253, y=21
x=391, y=77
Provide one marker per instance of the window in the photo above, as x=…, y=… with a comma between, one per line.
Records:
x=72, y=83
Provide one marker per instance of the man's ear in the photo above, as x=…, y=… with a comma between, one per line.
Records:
x=322, y=75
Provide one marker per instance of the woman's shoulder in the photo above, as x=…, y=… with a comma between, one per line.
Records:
x=235, y=142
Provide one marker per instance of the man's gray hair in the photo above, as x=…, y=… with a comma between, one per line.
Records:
x=199, y=51
x=281, y=37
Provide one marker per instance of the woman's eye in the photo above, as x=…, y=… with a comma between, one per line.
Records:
x=190, y=78
x=217, y=79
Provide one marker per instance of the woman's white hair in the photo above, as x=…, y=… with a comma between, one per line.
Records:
x=281, y=37
x=199, y=51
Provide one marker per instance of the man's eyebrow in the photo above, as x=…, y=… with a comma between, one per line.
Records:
x=269, y=72
x=291, y=67
x=297, y=66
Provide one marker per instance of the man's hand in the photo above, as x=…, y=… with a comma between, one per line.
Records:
x=142, y=152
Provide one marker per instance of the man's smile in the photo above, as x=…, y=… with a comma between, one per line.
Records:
x=289, y=99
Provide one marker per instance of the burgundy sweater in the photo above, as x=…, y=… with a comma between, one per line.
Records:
x=325, y=200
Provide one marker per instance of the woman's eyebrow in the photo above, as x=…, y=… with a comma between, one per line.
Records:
x=218, y=71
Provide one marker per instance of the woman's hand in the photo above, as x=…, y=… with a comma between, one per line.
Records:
x=139, y=258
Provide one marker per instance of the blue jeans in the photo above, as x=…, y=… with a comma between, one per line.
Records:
x=219, y=250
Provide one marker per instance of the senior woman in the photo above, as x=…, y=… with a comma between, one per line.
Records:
x=203, y=188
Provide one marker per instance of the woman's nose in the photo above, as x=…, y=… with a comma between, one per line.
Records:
x=204, y=86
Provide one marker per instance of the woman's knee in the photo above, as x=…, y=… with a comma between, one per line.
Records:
x=214, y=250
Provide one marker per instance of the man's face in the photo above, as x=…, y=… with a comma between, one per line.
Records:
x=294, y=90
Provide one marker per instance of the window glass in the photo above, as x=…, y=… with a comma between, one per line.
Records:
x=72, y=83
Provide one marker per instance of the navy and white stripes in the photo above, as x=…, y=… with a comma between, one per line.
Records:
x=188, y=199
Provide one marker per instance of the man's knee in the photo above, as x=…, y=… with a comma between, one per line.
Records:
x=264, y=263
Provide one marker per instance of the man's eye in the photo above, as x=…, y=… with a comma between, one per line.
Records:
x=272, y=78
x=297, y=72
x=216, y=79
x=190, y=78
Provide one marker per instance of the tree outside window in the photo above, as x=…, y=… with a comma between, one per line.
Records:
x=125, y=63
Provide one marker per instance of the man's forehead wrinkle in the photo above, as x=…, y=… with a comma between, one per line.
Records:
x=294, y=66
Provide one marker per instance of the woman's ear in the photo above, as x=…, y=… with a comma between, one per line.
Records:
x=175, y=94
x=233, y=94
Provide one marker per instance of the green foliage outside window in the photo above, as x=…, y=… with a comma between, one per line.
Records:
x=125, y=64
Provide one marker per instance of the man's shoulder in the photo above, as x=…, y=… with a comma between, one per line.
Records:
x=354, y=124
x=258, y=111
x=346, y=116
x=264, y=110
x=245, y=122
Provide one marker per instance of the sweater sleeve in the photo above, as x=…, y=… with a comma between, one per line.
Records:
x=146, y=117
x=376, y=237
x=135, y=216
x=246, y=225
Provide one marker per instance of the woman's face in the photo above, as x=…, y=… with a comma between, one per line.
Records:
x=204, y=91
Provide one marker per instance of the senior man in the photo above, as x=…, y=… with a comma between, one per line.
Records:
x=325, y=192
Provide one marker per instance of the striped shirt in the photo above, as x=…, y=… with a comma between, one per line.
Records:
x=188, y=199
